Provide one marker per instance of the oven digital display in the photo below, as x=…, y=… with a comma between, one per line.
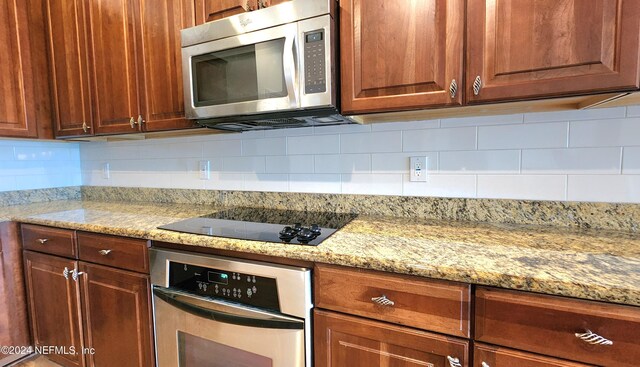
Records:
x=218, y=278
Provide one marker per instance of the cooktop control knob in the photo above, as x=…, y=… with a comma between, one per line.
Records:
x=306, y=235
x=315, y=229
x=288, y=233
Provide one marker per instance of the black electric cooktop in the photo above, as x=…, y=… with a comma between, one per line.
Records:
x=267, y=225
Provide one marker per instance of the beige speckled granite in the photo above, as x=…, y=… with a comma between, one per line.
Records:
x=584, y=263
x=625, y=217
x=20, y=197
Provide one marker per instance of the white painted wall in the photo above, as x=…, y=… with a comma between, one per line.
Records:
x=31, y=164
x=591, y=155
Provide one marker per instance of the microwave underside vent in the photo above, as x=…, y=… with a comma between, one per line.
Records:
x=248, y=124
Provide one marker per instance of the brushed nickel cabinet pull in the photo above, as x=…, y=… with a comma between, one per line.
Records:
x=593, y=338
x=85, y=127
x=485, y=364
x=477, y=85
x=454, y=362
x=133, y=122
x=43, y=240
x=140, y=120
x=453, y=89
x=104, y=252
x=75, y=274
x=65, y=273
x=383, y=301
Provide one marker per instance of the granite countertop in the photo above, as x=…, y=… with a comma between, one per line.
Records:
x=584, y=263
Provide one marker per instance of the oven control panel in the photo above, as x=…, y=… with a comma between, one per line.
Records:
x=242, y=288
x=314, y=62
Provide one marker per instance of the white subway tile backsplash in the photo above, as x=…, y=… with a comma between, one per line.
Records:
x=574, y=115
x=266, y=182
x=266, y=146
x=440, y=185
x=225, y=181
x=483, y=120
x=244, y=164
x=607, y=188
x=315, y=183
x=526, y=187
x=375, y=142
x=633, y=111
x=399, y=162
x=341, y=129
x=604, y=133
x=223, y=148
x=343, y=163
x=290, y=164
x=547, y=135
x=313, y=144
x=575, y=161
x=6, y=153
x=631, y=161
x=372, y=184
x=480, y=162
x=463, y=138
x=408, y=125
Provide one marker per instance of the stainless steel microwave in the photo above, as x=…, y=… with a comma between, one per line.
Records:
x=270, y=68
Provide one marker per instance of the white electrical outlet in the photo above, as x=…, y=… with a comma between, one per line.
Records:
x=418, y=169
x=106, y=171
x=204, y=168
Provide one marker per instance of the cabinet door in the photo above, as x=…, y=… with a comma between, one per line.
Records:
x=341, y=340
x=210, y=10
x=19, y=65
x=114, y=70
x=543, y=48
x=117, y=316
x=69, y=66
x=161, y=57
x=492, y=356
x=399, y=55
x=54, y=306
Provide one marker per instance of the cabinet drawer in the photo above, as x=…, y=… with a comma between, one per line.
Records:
x=426, y=304
x=491, y=356
x=341, y=340
x=118, y=252
x=549, y=325
x=49, y=240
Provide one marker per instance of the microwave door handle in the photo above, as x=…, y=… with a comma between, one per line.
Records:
x=182, y=302
x=290, y=70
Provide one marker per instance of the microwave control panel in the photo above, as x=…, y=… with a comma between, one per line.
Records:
x=242, y=288
x=314, y=62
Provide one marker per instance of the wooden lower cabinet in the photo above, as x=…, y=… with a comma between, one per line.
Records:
x=492, y=356
x=54, y=301
x=347, y=341
x=117, y=316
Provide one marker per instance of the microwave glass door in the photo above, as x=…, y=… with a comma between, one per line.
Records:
x=246, y=73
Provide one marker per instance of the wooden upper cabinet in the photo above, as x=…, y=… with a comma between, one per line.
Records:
x=543, y=48
x=24, y=89
x=114, y=69
x=69, y=67
x=210, y=10
x=54, y=305
x=163, y=96
x=399, y=55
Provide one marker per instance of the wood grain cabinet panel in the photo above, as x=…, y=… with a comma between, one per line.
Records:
x=543, y=48
x=341, y=341
x=400, y=54
x=119, y=252
x=548, y=325
x=492, y=356
x=117, y=316
x=114, y=70
x=210, y=10
x=422, y=303
x=54, y=306
x=67, y=38
x=159, y=30
x=55, y=241
x=25, y=106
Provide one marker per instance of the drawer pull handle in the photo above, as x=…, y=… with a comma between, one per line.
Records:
x=43, y=240
x=65, y=273
x=485, y=364
x=383, y=301
x=454, y=362
x=593, y=338
x=75, y=274
x=104, y=252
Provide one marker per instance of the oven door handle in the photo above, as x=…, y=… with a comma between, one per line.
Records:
x=231, y=314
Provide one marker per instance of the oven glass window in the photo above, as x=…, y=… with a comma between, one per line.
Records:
x=246, y=73
x=194, y=351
